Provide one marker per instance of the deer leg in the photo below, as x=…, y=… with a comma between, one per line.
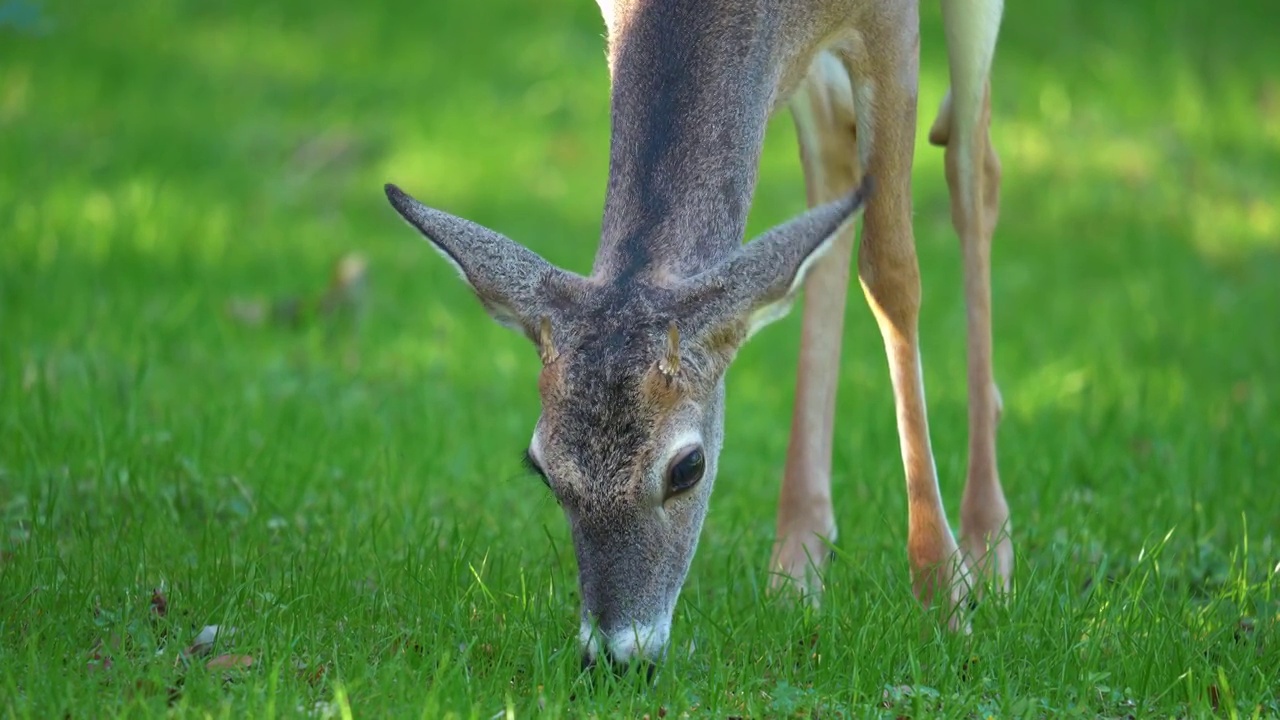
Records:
x=885, y=90
x=822, y=109
x=973, y=179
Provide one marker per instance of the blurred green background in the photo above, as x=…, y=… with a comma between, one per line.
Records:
x=178, y=179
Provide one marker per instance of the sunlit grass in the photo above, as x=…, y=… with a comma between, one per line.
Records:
x=347, y=495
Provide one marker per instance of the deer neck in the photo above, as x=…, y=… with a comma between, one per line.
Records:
x=693, y=85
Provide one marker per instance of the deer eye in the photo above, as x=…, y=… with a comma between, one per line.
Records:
x=685, y=472
x=534, y=468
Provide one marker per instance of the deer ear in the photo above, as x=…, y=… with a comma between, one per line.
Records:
x=757, y=284
x=514, y=284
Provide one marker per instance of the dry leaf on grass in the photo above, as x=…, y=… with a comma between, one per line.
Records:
x=98, y=661
x=159, y=603
x=229, y=662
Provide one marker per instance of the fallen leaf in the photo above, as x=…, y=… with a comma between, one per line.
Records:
x=229, y=662
x=347, y=284
x=311, y=675
x=159, y=604
x=98, y=661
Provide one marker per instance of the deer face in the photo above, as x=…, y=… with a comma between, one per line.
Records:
x=632, y=390
x=628, y=442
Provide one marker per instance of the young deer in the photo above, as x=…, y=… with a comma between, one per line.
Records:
x=634, y=355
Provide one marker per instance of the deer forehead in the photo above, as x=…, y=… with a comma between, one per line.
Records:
x=608, y=424
x=605, y=357
x=590, y=404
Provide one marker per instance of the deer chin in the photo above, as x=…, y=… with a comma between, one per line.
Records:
x=640, y=642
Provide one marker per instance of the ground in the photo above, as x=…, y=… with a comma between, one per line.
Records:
x=189, y=438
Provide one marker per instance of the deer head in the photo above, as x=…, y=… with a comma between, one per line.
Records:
x=632, y=391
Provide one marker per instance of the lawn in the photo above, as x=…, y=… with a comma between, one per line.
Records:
x=189, y=437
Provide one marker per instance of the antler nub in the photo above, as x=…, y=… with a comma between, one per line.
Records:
x=546, y=348
x=669, y=365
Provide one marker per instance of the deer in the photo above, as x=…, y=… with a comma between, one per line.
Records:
x=634, y=355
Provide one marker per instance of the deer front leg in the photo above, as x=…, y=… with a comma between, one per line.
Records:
x=885, y=75
x=822, y=109
x=973, y=178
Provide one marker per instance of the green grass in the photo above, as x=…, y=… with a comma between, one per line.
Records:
x=348, y=496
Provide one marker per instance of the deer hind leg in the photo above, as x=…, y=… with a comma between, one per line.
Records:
x=822, y=109
x=973, y=178
x=885, y=90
